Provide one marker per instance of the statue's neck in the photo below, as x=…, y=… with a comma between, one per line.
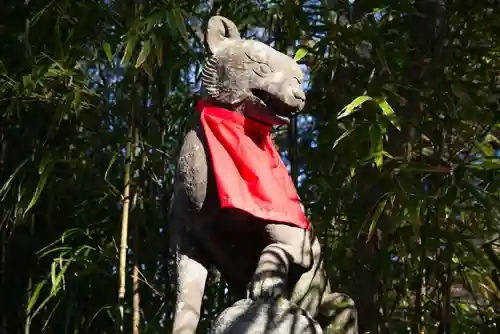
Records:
x=238, y=109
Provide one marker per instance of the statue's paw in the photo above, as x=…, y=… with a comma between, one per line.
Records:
x=265, y=316
x=338, y=314
x=267, y=288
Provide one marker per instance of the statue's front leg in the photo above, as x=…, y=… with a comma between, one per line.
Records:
x=309, y=290
x=338, y=314
x=191, y=279
x=190, y=190
x=290, y=245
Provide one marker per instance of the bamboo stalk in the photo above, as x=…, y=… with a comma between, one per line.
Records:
x=124, y=228
x=3, y=271
x=3, y=228
x=27, y=324
x=136, y=301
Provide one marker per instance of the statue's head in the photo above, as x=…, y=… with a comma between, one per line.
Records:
x=250, y=76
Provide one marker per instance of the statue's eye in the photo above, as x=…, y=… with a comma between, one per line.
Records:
x=262, y=69
x=265, y=69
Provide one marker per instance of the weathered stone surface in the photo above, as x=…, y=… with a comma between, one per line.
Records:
x=265, y=317
x=264, y=257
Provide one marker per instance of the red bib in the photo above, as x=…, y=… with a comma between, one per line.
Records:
x=249, y=172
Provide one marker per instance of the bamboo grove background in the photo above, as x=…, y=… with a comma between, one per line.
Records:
x=403, y=187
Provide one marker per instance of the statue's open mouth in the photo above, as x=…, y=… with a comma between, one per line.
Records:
x=280, y=109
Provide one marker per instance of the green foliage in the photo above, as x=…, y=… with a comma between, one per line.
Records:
x=398, y=163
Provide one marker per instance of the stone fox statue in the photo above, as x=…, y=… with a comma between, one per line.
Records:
x=234, y=204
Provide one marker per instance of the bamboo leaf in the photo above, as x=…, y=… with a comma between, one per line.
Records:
x=158, y=46
x=57, y=282
x=7, y=184
x=486, y=148
x=350, y=108
x=44, y=163
x=344, y=135
x=110, y=164
x=53, y=273
x=301, y=53
x=143, y=55
x=107, y=51
x=491, y=138
x=492, y=256
x=171, y=23
x=28, y=82
x=45, y=251
x=493, y=163
x=491, y=283
x=41, y=306
x=77, y=99
x=69, y=232
x=39, y=188
x=35, y=295
x=413, y=209
x=377, y=144
x=495, y=277
x=375, y=217
x=112, y=186
x=179, y=21
x=388, y=112
x=175, y=21
x=129, y=49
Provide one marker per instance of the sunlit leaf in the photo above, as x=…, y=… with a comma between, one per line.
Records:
x=110, y=165
x=491, y=138
x=486, y=148
x=350, y=108
x=388, y=112
x=342, y=136
x=129, y=49
x=301, y=53
x=28, y=81
x=47, y=250
x=34, y=296
x=143, y=55
x=495, y=278
x=491, y=284
x=53, y=272
x=58, y=280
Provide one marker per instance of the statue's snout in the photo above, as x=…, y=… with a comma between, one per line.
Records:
x=300, y=97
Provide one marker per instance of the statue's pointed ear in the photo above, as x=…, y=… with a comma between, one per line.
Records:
x=220, y=29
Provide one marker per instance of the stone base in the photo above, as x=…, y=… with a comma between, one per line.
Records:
x=265, y=317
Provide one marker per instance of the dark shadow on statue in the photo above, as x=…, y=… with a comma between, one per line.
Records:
x=278, y=315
